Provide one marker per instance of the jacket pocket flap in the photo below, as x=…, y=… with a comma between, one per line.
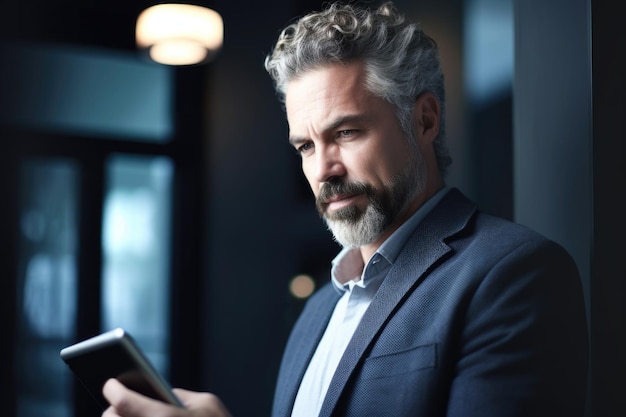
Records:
x=408, y=360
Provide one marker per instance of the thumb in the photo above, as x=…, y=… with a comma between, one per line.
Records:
x=128, y=403
x=202, y=404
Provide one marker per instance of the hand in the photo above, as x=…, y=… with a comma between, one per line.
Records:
x=127, y=403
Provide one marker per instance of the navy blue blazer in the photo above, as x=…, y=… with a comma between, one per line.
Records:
x=478, y=316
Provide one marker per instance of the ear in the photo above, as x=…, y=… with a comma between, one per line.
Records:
x=426, y=116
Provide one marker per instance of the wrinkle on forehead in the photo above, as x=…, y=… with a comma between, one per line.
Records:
x=319, y=99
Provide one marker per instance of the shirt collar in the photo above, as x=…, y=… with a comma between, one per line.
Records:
x=348, y=265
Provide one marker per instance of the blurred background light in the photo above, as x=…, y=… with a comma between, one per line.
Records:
x=302, y=286
x=179, y=34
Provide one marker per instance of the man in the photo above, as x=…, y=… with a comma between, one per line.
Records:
x=434, y=309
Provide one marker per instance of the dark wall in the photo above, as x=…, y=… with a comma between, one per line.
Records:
x=262, y=229
x=608, y=276
x=569, y=157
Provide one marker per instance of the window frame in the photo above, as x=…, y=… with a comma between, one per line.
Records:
x=187, y=150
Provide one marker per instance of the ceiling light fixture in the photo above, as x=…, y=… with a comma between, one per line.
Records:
x=179, y=34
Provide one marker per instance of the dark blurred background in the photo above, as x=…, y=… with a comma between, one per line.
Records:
x=166, y=200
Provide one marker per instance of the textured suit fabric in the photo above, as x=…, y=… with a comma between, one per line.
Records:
x=477, y=317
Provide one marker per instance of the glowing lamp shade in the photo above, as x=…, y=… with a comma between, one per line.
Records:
x=179, y=34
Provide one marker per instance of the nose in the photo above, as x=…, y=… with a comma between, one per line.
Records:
x=328, y=163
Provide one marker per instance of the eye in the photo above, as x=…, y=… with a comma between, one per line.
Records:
x=304, y=148
x=346, y=133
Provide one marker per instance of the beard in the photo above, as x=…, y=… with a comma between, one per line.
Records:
x=355, y=226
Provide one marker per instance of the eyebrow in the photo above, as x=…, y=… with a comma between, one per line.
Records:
x=350, y=118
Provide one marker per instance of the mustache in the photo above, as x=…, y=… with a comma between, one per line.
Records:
x=337, y=187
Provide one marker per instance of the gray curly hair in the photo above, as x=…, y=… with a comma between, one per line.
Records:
x=401, y=61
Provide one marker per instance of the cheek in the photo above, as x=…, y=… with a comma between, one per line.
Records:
x=396, y=157
x=381, y=171
x=370, y=167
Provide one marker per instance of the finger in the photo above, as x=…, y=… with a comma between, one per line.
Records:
x=128, y=403
x=110, y=412
x=202, y=403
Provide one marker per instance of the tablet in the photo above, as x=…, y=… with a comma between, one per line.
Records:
x=115, y=354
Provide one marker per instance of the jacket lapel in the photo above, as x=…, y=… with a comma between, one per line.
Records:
x=425, y=247
x=302, y=344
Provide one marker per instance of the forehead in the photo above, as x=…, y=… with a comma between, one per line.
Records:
x=325, y=92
